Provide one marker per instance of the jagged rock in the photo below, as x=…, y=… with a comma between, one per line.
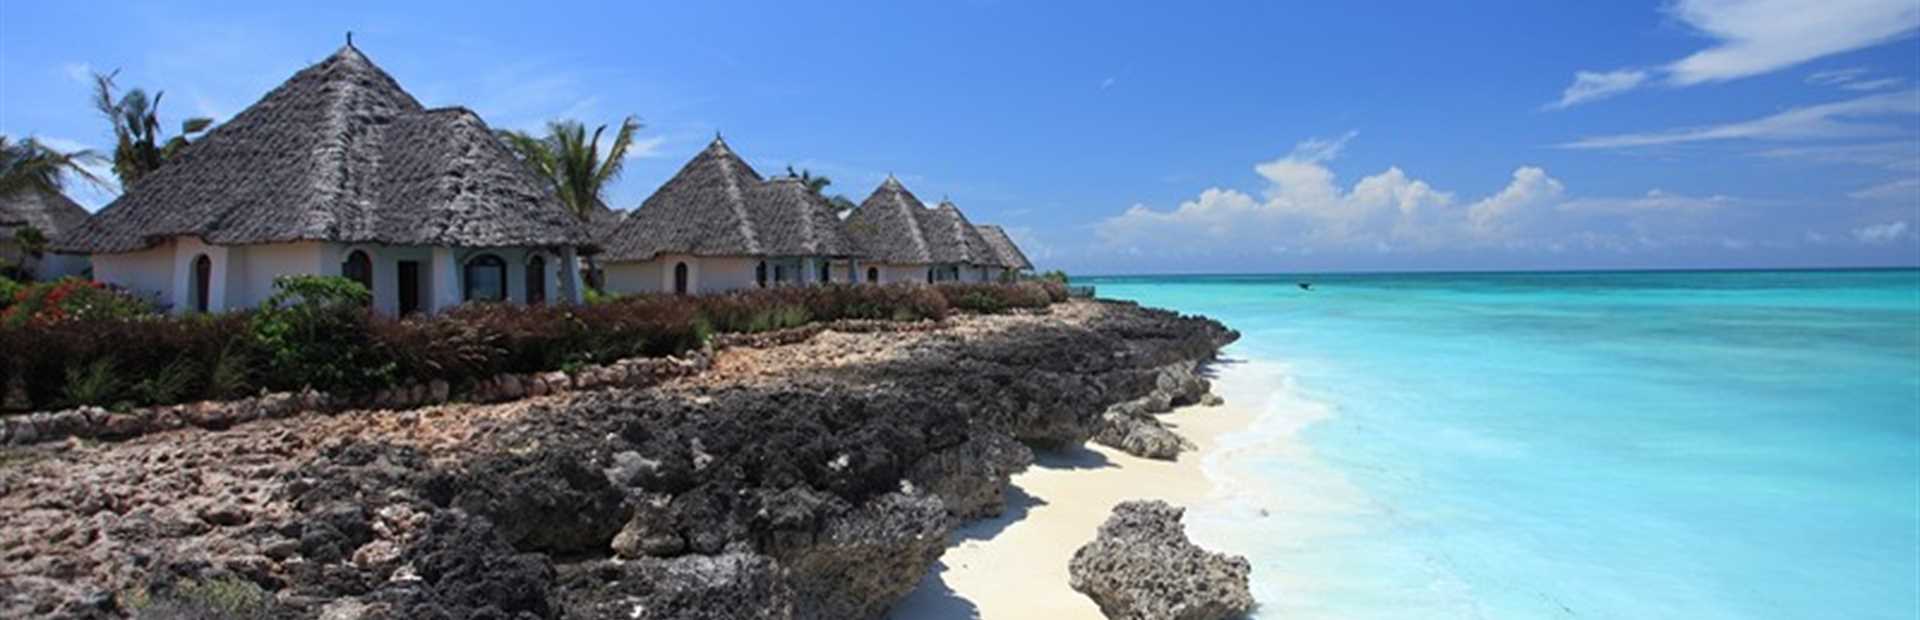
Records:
x=1212, y=400
x=721, y=587
x=864, y=560
x=1140, y=435
x=1142, y=567
x=649, y=533
x=545, y=501
x=971, y=478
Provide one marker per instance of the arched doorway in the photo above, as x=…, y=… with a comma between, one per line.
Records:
x=929, y=275
x=873, y=275
x=358, y=268
x=760, y=274
x=537, y=280
x=679, y=278
x=486, y=277
x=826, y=272
x=202, y=283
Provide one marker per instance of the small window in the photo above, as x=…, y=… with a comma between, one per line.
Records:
x=358, y=268
x=873, y=274
x=779, y=273
x=486, y=278
x=760, y=274
x=679, y=278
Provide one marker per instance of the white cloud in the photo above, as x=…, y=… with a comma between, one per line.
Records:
x=1106, y=83
x=1655, y=200
x=1761, y=36
x=1837, y=76
x=1896, y=155
x=81, y=73
x=1906, y=191
x=1530, y=188
x=1303, y=209
x=1877, y=234
x=1593, y=85
x=1030, y=244
x=1866, y=85
x=1754, y=37
x=1827, y=120
x=646, y=148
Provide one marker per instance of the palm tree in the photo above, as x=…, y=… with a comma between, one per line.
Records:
x=573, y=163
x=138, y=149
x=30, y=165
x=818, y=185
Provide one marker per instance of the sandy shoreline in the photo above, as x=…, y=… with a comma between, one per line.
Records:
x=1015, y=565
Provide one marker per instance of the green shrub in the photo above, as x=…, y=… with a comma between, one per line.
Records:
x=8, y=289
x=313, y=333
x=994, y=298
x=91, y=384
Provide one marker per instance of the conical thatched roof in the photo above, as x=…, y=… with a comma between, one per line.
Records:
x=886, y=226
x=1010, y=255
x=51, y=213
x=952, y=239
x=338, y=153
x=718, y=206
x=791, y=220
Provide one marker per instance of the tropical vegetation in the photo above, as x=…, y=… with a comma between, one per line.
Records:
x=73, y=342
x=139, y=148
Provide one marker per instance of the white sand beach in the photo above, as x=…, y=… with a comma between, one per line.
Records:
x=1015, y=566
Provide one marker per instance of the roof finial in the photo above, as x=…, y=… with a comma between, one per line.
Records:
x=349, y=38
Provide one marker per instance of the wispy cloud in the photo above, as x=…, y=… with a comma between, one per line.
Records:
x=646, y=148
x=1877, y=84
x=1878, y=234
x=1592, y=85
x=1830, y=77
x=1828, y=120
x=1901, y=191
x=1760, y=36
x=1107, y=83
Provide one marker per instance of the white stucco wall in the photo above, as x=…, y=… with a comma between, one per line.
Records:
x=243, y=275
x=705, y=274
x=147, y=273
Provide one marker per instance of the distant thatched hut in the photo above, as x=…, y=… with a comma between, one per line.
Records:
x=907, y=242
x=718, y=226
x=1011, y=260
x=50, y=213
x=339, y=171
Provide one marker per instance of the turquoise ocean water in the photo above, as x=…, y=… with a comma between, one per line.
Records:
x=1580, y=445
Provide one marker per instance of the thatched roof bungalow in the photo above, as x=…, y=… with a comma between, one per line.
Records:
x=1011, y=259
x=50, y=213
x=717, y=225
x=907, y=242
x=338, y=171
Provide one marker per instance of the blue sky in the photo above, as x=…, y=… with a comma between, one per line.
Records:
x=1153, y=137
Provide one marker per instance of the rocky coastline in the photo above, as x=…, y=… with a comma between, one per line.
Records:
x=810, y=476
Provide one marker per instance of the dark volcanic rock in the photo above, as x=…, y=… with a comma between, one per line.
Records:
x=814, y=480
x=1142, y=567
x=696, y=587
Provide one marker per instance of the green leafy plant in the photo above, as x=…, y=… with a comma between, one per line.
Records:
x=169, y=385
x=92, y=384
x=227, y=375
x=313, y=333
